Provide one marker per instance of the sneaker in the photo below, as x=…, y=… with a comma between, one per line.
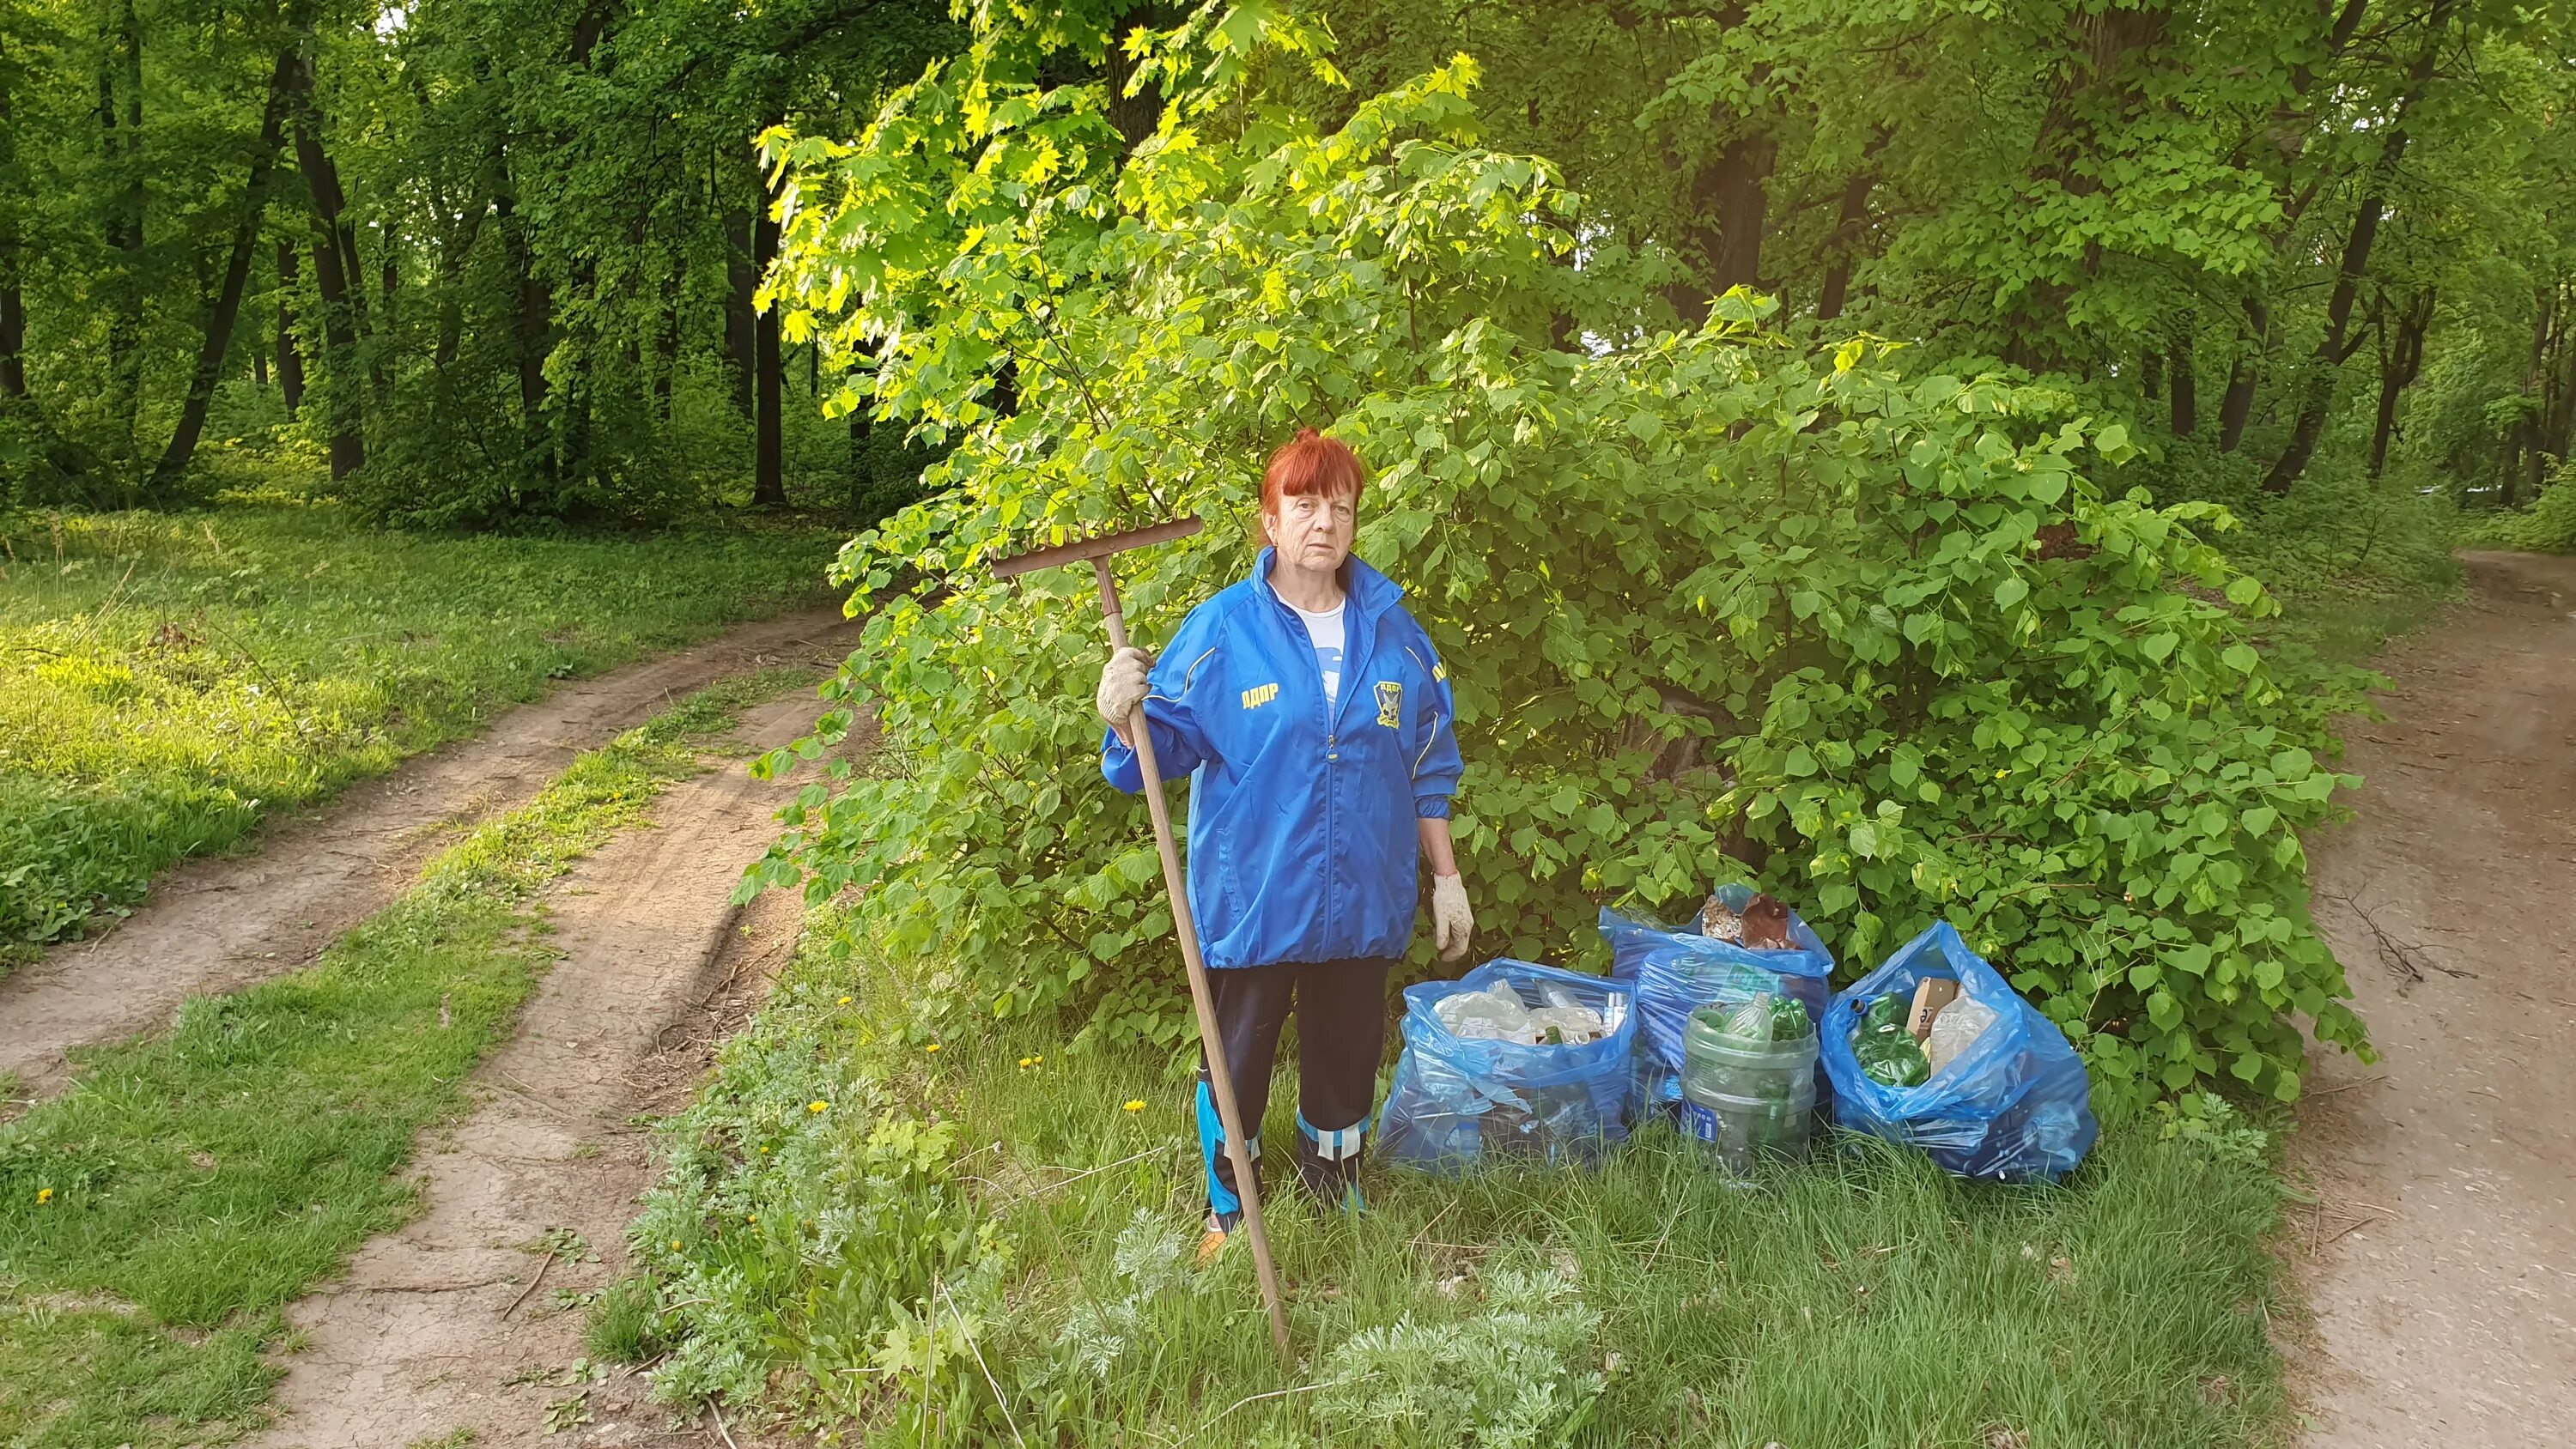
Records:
x=1212, y=1241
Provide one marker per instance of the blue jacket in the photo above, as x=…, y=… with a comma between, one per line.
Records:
x=1301, y=837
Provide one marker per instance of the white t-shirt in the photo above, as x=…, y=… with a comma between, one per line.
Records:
x=1326, y=630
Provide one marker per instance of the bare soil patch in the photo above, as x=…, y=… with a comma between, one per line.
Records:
x=2440, y=1263
x=456, y=1321
x=220, y=924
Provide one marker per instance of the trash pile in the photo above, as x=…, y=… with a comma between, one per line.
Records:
x=1485, y=1076
x=1497, y=1013
x=1935, y=1050
x=1724, y=1027
x=1749, y=1080
x=1727, y=961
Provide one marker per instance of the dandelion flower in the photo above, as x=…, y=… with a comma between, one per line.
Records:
x=1028, y=1061
x=1999, y=774
x=933, y=1047
x=817, y=1105
x=751, y=1217
x=1136, y=1105
x=845, y=1001
x=675, y=1245
x=44, y=1195
x=1037, y=1059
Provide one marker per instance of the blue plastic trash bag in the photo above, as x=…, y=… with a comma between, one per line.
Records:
x=2014, y=1106
x=1677, y=972
x=1460, y=1101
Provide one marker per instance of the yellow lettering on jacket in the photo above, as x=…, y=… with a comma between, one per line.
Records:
x=1259, y=695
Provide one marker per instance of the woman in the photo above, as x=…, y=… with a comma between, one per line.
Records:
x=1315, y=723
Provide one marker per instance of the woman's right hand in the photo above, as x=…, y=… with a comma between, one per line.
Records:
x=1122, y=687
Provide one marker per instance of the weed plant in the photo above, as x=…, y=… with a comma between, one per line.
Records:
x=166, y=681
x=156, y=1216
x=1041, y=1290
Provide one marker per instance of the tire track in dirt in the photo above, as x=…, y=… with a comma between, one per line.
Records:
x=2440, y=1262
x=217, y=925
x=451, y=1323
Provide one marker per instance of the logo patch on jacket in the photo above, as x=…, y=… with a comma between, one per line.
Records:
x=1259, y=695
x=1390, y=703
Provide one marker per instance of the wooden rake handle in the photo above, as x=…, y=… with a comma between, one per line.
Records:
x=1176, y=886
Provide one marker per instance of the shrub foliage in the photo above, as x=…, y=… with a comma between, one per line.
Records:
x=1712, y=602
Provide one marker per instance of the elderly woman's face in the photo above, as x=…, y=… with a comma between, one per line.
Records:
x=1313, y=532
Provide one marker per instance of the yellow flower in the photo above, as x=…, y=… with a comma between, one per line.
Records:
x=751, y=1217
x=817, y=1105
x=933, y=1047
x=1037, y=1059
x=675, y=1245
x=44, y=1195
x=845, y=1001
x=1137, y=1105
x=1028, y=1061
x=764, y=1147
x=1999, y=774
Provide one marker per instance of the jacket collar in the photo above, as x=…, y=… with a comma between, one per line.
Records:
x=1368, y=592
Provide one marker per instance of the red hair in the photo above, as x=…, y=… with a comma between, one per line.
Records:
x=1311, y=463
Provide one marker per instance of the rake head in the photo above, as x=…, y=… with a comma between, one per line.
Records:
x=1099, y=545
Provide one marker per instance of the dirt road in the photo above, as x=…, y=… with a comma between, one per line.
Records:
x=217, y=925
x=2441, y=1262
x=452, y=1324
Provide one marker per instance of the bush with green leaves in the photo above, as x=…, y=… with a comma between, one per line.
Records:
x=1711, y=603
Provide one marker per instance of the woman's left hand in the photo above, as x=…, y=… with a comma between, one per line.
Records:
x=1451, y=921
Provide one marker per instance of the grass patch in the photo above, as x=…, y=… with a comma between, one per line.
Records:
x=167, y=680
x=1030, y=1275
x=155, y=1217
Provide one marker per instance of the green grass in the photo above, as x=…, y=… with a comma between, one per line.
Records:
x=167, y=680
x=156, y=1216
x=1862, y=1298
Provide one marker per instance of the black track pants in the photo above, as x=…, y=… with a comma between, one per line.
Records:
x=1341, y=1033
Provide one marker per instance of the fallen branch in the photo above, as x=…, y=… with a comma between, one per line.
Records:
x=543, y=1263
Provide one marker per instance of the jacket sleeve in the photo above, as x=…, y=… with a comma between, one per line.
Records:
x=1171, y=710
x=1436, y=762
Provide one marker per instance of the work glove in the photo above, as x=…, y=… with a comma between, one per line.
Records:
x=1451, y=921
x=1122, y=686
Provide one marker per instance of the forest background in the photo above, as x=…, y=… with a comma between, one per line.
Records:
x=500, y=260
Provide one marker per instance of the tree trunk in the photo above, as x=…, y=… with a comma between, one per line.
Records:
x=1848, y=224
x=2183, y=386
x=1739, y=199
x=121, y=147
x=2236, y=405
x=13, y=302
x=333, y=279
x=227, y=308
x=532, y=319
x=742, y=279
x=768, y=450
x=290, y=362
x=2400, y=358
x=453, y=253
x=2318, y=395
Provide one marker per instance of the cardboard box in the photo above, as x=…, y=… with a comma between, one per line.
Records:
x=1930, y=995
